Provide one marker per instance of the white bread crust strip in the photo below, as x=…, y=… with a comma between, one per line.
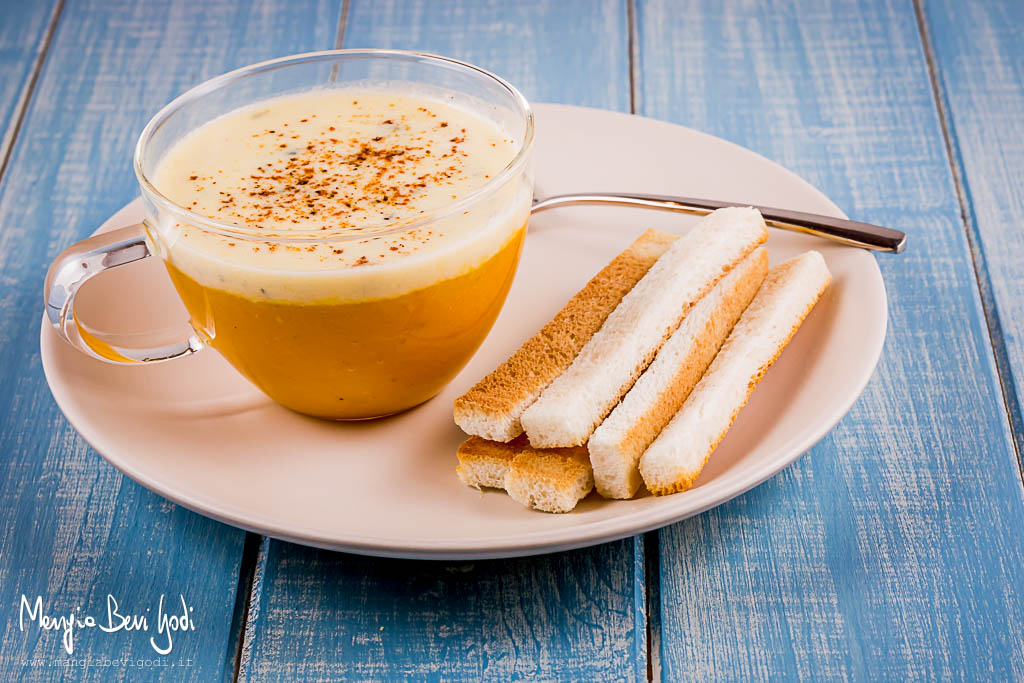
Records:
x=677, y=456
x=492, y=408
x=617, y=444
x=549, y=480
x=577, y=401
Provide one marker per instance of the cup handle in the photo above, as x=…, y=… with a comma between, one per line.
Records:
x=88, y=258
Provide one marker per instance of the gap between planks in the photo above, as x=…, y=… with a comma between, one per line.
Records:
x=651, y=548
x=252, y=612
x=7, y=144
x=996, y=337
x=243, y=599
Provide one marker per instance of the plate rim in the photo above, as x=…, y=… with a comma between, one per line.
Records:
x=675, y=508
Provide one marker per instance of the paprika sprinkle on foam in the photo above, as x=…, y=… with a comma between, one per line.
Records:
x=327, y=162
x=330, y=169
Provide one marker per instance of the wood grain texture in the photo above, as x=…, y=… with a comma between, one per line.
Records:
x=334, y=616
x=893, y=549
x=980, y=74
x=73, y=529
x=571, y=616
x=23, y=30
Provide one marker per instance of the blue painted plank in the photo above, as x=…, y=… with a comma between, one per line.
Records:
x=980, y=74
x=335, y=616
x=74, y=530
x=893, y=549
x=23, y=30
x=571, y=616
x=574, y=52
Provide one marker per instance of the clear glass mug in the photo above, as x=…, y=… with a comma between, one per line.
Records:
x=335, y=357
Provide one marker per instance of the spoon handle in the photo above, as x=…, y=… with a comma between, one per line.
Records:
x=865, y=235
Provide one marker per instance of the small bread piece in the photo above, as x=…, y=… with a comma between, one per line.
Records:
x=485, y=463
x=492, y=408
x=675, y=459
x=579, y=399
x=617, y=444
x=552, y=480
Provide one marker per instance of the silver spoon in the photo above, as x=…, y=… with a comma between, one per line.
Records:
x=865, y=235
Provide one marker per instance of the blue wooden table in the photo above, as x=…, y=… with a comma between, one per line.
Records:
x=894, y=549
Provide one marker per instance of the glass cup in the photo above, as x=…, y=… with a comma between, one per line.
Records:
x=337, y=342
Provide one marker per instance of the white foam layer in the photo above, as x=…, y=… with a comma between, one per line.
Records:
x=339, y=162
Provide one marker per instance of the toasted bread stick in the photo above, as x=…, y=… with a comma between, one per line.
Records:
x=492, y=408
x=617, y=444
x=550, y=480
x=577, y=401
x=675, y=459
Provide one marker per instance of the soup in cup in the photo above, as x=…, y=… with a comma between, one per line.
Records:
x=343, y=227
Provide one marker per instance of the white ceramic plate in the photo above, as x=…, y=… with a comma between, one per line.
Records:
x=199, y=434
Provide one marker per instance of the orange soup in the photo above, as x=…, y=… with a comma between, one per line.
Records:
x=367, y=358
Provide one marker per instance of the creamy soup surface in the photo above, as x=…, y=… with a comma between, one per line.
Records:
x=339, y=163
